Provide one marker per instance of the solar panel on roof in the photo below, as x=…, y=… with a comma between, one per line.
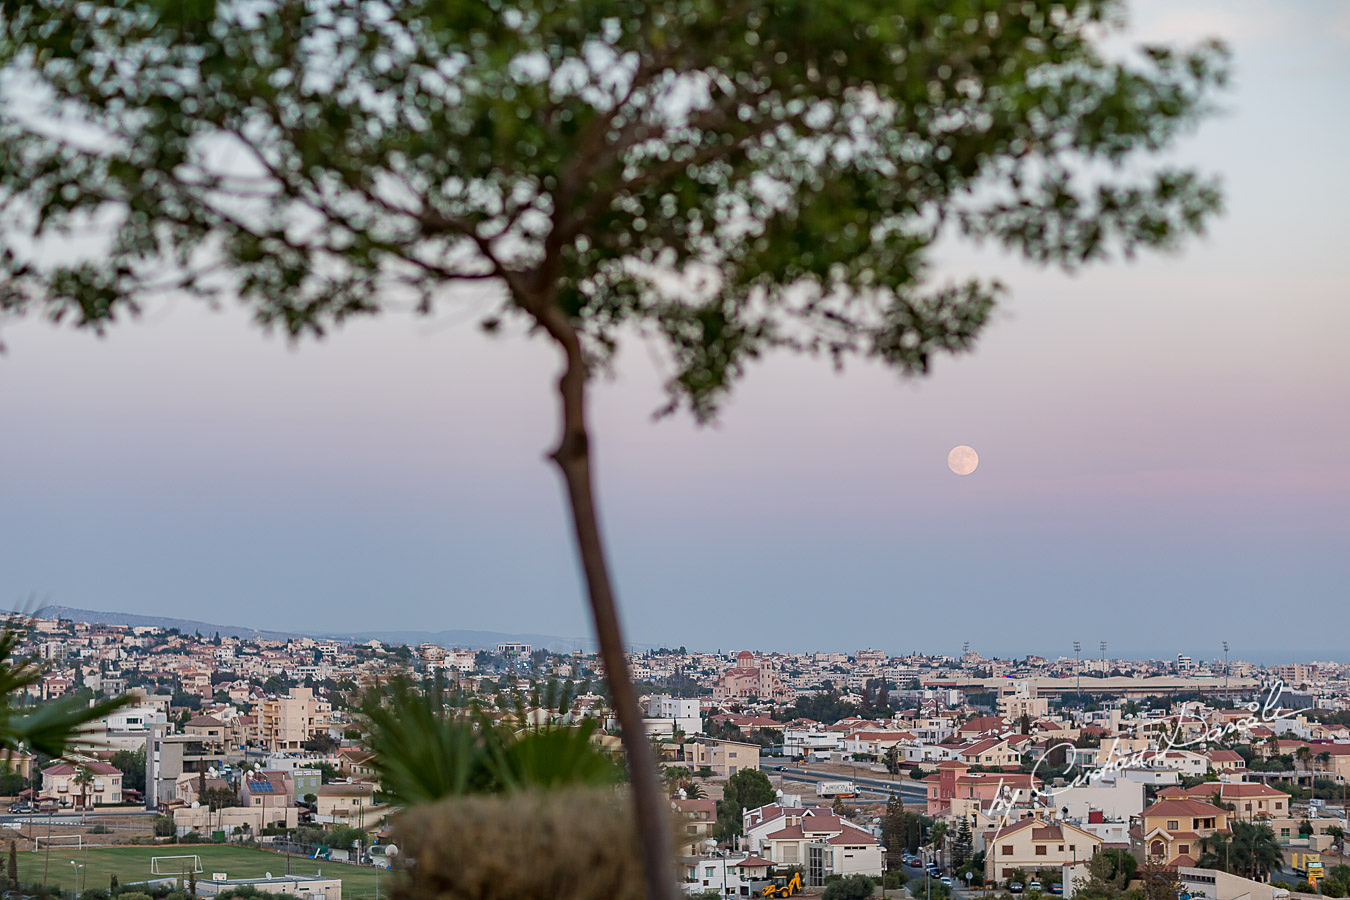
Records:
x=261, y=787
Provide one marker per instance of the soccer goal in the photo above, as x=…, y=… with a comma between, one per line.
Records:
x=62, y=841
x=175, y=865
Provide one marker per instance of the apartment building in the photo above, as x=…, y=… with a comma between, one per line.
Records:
x=286, y=723
x=167, y=756
x=724, y=758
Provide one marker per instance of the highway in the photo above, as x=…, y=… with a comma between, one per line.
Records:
x=908, y=791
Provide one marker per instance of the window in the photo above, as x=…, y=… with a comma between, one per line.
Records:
x=1007, y=850
x=1040, y=849
x=1061, y=848
x=1171, y=824
x=1072, y=848
x=1184, y=849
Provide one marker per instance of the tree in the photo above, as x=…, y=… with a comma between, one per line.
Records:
x=963, y=842
x=851, y=887
x=929, y=889
x=13, y=868
x=1160, y=881
x=721, y=183
x=747, y=789
x=131, y=763
x=894, y=832
x=84, y=776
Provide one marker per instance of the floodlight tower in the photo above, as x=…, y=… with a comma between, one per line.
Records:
x=1078, y=665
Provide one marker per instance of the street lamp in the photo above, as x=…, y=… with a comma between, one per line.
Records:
x=79, y=888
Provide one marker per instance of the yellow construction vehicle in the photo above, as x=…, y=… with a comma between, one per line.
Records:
x=784, y=887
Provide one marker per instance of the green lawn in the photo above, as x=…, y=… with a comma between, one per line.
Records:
x=133, y=864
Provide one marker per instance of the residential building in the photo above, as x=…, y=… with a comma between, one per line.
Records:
x=1170, y=831
x=724, y=758
x=730, y=876
x=286, y=723
x=696, y=820
x=814, y=838
x=83, y=785
x=168, y=756
x=681, y=712
x=1034, y=843
x=349, y=803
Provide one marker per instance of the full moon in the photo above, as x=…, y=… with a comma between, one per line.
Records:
x=963, y=460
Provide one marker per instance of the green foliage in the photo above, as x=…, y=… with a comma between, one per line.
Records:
x=854, y=887
x=49, y=727
x=163, y=826
x=249, y=892
x=794, y=162
x=1249, y=849
x=927, y=888
x=747, y=789
x=425, y=750
x=131, y=763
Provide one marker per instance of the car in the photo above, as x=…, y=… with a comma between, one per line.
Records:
x=20, y=808
x=1033, y=885
x=1014, y=887
x=915, y=862
x=1057, y=888
x=779, y=768
x=946, y=879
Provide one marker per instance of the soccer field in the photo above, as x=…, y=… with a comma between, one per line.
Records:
x=133, y=864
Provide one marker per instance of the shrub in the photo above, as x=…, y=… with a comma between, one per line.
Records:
x=854, y=887
x=579, y=844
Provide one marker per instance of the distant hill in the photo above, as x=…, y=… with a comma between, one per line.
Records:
x=473, y=640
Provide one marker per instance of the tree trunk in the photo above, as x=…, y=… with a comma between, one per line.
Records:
x=573, y=459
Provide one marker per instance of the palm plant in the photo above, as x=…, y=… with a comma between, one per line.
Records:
x=425, y=749
x=50, y=728
x=84, y=776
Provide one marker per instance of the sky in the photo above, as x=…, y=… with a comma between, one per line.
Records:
x=1164, y=448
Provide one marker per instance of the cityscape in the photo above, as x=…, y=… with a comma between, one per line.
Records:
x=674, y=449
x=964, y=770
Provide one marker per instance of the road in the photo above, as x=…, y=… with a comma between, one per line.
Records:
x=909, y=791
x=72, y=817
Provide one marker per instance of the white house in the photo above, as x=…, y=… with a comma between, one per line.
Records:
x=813, y=838
x=735, y=876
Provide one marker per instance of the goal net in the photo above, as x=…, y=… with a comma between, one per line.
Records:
x=175, y=865
x=67, y=841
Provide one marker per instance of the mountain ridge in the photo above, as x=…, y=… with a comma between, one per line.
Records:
x=466, y=638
